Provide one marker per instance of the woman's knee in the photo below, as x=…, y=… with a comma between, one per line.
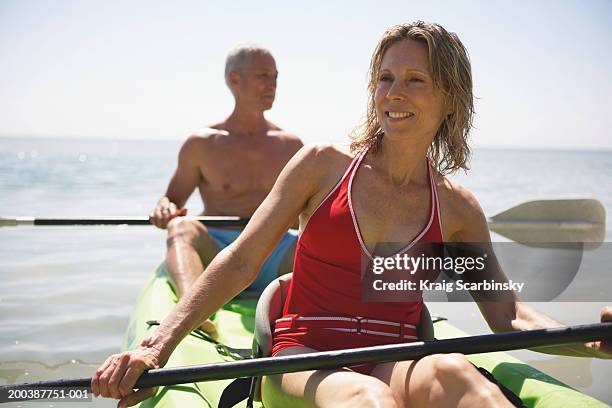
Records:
x=371, y=393
x=451, y=366
x=456, y=374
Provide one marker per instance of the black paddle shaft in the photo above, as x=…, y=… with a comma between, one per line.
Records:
x=342, y=358
x=211, y=221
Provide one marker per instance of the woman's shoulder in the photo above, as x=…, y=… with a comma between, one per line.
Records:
x=319, y=166
x=325, y=156
x=329, y=150
x=458, y=196
x=459, y=206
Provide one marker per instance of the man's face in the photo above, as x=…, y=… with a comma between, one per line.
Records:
x=256, y=84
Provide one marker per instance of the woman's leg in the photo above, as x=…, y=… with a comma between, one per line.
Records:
x=440, y=380
x=324, y=388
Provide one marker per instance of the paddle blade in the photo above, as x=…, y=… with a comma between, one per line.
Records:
x=545, y=222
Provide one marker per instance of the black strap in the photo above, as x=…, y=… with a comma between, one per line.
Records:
x=236, y=392
x=222, y=349
x=239, y=389
x=511, y=396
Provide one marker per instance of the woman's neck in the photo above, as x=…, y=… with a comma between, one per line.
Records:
x=403, y=161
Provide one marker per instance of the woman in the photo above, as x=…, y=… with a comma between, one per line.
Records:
x=389, y=187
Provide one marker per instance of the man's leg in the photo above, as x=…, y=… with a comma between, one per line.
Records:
x=286, y=264
x=278, y=263
x=190, y=250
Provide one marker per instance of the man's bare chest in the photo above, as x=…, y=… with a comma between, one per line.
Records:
x=243, y=170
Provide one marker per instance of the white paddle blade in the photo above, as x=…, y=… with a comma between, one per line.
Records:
x=545, y=222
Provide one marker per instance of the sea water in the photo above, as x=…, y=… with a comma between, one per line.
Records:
x=66, y=293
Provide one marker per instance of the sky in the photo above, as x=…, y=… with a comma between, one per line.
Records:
x=154, y=69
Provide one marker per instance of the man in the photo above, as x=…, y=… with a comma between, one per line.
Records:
x=234, y=164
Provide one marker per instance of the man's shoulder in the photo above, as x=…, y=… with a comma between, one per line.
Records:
x=205, y=137
x=209, y=133
x=277, y=131
x=199, y=142
x=285, y=136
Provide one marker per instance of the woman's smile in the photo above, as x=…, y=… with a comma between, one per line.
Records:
x=398, y=115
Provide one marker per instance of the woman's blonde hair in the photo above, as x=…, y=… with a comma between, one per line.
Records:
x=451, y=71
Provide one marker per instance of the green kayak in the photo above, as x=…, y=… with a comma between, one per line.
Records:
x=235, y=324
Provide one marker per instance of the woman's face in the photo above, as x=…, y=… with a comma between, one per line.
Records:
x=408, y=105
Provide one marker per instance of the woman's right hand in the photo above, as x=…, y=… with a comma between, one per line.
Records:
x=116, y=377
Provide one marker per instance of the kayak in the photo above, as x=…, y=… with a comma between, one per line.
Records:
x=235, y=324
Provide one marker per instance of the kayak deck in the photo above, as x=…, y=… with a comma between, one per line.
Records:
x=235, y=323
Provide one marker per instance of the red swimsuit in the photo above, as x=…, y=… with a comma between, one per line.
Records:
x=323, y=309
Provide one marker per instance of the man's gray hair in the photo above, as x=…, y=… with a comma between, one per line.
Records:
x=238, y=56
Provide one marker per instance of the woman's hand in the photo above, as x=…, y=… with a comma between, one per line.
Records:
x=116, y=377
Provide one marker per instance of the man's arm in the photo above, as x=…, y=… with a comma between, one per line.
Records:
x=510, y=314
x=185, y=179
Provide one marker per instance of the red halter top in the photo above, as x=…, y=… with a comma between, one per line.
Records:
x=323, y=309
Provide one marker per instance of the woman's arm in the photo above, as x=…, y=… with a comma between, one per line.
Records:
x=509, y=313
x=230, y=272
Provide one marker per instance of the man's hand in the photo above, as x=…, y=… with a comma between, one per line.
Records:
x=604, y=347
x=116, y=377
x=164, y=211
